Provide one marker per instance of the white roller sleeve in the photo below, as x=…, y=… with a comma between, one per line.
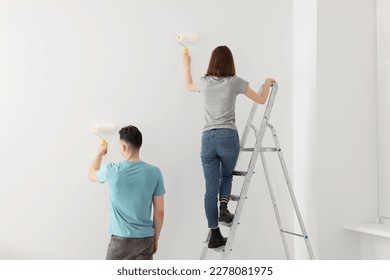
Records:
x=187, y=38
x=104, y=128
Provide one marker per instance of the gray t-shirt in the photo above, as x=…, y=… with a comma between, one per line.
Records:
x=220, y=100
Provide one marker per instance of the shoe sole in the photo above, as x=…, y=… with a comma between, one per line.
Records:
x=215, y=246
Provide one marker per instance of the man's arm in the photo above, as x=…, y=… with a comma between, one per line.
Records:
x=96, y=163
x=158, y=218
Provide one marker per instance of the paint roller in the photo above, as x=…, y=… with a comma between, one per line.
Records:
x=186, y=38
x=101, y=129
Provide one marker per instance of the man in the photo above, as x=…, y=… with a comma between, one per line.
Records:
x=134, y=187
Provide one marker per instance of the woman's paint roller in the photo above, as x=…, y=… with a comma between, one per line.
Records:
x=101, y=129
x=186, y=38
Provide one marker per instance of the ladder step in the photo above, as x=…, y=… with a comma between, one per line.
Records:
x=293, y=233
x=239, y=173
x=269, y=149
x=265, y=149
x=234, y=197
x=219, y=250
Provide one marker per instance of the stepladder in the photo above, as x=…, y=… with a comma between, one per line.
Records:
x=255, y=151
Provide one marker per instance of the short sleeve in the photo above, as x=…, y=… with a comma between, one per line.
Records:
x=160, y=189
x=105, y=172
x=200, y=84
x=240, y=84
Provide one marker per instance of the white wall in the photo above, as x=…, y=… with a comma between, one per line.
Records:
x=66, y=65
x=374, y=247
x=305, y=108
x=371, y=246
x=383, y=25
x=346, y=123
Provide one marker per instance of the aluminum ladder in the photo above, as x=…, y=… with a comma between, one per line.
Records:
x=259, y=149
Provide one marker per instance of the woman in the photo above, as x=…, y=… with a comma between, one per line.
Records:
x=220, y=143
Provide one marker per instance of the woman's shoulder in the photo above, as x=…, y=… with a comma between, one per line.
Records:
x=235, y=77
x=215, y=78
x=238, y=79
x=228, y=79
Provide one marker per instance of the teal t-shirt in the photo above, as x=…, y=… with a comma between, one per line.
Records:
x=132, y=188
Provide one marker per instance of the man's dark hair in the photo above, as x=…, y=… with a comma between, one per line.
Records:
x=132, y=136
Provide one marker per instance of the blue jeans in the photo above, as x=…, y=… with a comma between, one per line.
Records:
x=220, y=148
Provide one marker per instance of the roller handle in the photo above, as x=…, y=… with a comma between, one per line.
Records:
x=104, y=142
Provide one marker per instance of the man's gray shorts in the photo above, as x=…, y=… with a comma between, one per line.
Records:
x=123, y=248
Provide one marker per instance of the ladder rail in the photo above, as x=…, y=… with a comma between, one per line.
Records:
x=205, y=248
x=271, y=100
x=276, y=210
x=248, y=125
x=251, y=166
x=240, y=205
x=267, y=113
x=291, y=190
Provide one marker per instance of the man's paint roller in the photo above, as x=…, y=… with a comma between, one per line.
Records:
x=103, y=129
x=186, y=38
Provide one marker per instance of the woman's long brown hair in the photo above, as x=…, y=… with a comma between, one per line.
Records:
x=221, y=63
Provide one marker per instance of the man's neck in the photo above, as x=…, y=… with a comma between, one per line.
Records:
x=132, y=157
